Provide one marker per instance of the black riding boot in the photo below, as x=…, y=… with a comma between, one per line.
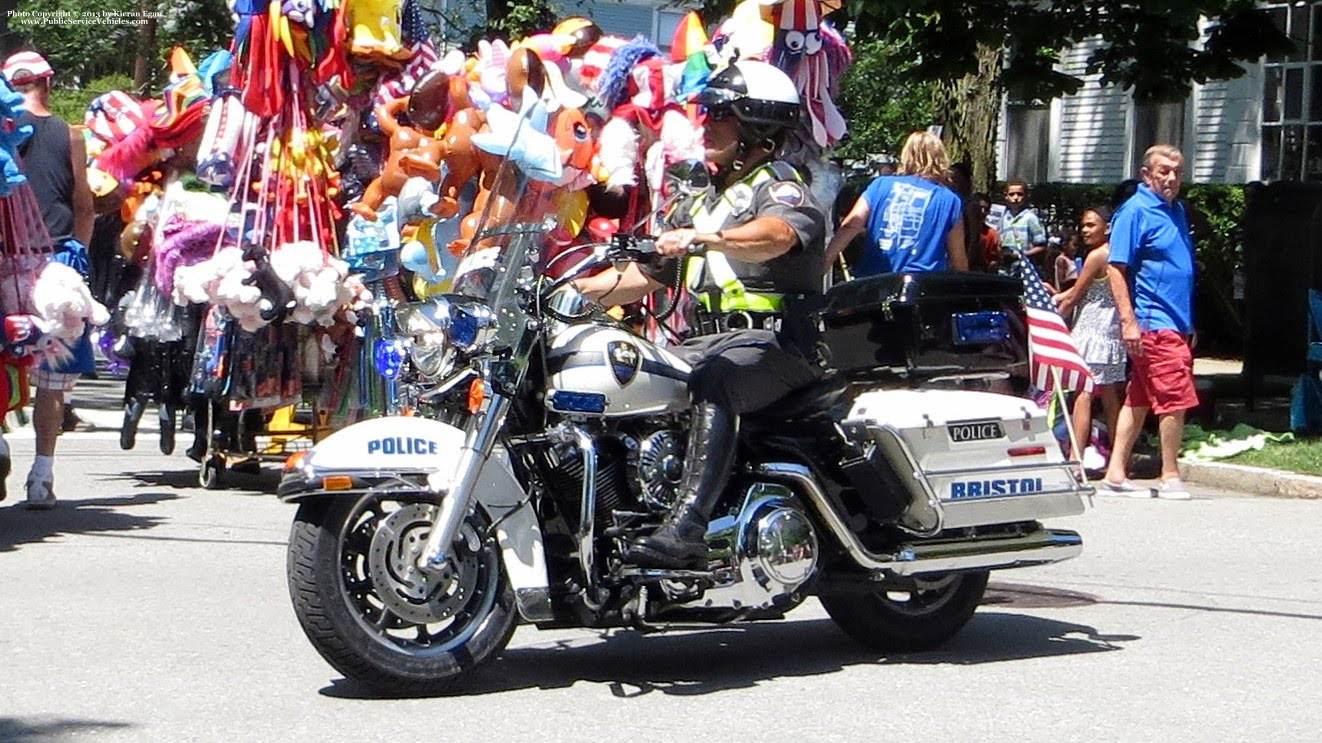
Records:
x=679, y=542
x=128, y=432
x=166, y=416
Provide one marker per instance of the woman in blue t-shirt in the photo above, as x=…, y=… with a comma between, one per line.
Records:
x=912, y=220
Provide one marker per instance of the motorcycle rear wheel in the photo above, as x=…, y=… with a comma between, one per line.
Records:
x=909, y=621
x=376, y=620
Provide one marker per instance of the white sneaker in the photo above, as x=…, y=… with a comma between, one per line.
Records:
x=1173, y=489
x=41, y=494
x=1124, y=489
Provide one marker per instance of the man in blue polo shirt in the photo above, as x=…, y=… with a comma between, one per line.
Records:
x=1151, y=276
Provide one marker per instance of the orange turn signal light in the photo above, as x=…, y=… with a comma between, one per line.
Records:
x=337, y=482
x=477, y=394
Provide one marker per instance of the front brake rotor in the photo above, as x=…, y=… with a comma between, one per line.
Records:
x=407, y=591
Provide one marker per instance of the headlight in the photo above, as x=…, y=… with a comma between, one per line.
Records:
x=467, y=325
x=432, y=360
x=472, y=326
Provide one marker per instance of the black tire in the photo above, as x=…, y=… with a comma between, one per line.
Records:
x=927, y=618
x=340, y=606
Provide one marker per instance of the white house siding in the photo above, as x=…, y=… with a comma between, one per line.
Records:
x=1091, y=133
x=1227, y=136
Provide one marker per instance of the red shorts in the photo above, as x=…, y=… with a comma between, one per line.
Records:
x=1162, y=377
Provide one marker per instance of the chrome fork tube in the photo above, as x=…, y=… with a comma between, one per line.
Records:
x=456, y=503
x=587, y=512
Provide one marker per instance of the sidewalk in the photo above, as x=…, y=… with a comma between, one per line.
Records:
x=1270, y=412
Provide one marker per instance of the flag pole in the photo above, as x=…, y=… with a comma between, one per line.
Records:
x=1075, y=449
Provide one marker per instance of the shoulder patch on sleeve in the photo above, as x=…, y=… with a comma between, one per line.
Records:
x=789, y=194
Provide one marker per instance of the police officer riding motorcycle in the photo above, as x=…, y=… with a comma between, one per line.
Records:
x=552, y=442
x=748, y=250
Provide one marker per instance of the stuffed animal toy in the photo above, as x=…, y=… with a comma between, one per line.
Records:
x=649, y=130
x=61, y=298
x=679, y=140
x=415, y=150
x=277, y=296
x=220, y=280
x=182, y=243
x=318, y=282
x=19, y=336
x=26, y=340
x=11, y=105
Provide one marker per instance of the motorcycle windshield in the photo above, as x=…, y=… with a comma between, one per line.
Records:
x=511, y=217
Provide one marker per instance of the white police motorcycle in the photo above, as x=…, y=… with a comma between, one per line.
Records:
x=549, y=439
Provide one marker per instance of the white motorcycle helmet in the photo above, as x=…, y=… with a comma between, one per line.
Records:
x=761, y=96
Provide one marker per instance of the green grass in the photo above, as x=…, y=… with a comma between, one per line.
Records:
x=1304, y=456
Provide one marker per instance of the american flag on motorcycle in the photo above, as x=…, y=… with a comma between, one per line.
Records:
x=1050, y=346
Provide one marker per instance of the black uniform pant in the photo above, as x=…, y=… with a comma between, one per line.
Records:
x=744, y=371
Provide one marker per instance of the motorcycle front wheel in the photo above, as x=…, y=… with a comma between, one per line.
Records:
x=373, y=616
x=935, y=609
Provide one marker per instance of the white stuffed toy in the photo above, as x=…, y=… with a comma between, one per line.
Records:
x=62, y=299
x=317, y=280
x=220, y=280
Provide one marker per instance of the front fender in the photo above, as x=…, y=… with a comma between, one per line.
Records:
x=398, y=453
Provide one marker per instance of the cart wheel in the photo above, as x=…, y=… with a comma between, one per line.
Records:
x=209, y=474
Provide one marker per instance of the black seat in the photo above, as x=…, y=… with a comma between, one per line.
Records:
x=802, y=403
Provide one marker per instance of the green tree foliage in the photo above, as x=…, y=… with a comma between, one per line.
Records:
x=517, y=18
x=71, y=103
x=78, y=52
x=881, y=100
x=1149, y=46
x=979, y=49
x=81, y=52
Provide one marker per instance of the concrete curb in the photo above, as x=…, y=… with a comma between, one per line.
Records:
x=1256, y=480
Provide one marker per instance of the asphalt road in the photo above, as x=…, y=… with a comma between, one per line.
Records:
x=145, y=608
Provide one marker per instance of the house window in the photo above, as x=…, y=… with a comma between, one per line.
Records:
x=1292, y=97
x=1156, y=123
x=1028, y=140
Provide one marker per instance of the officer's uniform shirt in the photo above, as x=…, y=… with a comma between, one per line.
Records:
x=797, y=271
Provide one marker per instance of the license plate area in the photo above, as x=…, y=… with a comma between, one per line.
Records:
x=967, y=431
x=980, y=328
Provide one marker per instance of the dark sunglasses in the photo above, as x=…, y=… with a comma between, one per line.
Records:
x=718, y=113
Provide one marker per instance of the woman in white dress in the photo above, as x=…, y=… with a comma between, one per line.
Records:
x=1096, y=327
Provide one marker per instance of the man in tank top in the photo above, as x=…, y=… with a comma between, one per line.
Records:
x=54, y=159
